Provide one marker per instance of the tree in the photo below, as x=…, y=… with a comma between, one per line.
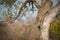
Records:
x=46, y=13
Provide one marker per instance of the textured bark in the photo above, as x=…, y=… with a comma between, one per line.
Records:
x=44, y=33
x=42, y=11
x=43, y=2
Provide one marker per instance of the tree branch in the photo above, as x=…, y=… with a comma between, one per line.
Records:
x=24, y=4
x=42, y=11
x=44, y=27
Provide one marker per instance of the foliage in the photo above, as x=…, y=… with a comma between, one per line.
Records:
x=1, y=3
x=55, y=27
x=8, y=2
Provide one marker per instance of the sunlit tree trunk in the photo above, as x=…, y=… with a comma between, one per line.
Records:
x=45, y=16
x=40, y=18
x=44, y=33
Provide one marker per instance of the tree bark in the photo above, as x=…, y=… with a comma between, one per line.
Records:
x=44, y=33
x=42, y=11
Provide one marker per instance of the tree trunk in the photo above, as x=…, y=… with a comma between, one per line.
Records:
x=44, y=33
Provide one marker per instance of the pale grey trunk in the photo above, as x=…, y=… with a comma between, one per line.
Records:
x=44, y=33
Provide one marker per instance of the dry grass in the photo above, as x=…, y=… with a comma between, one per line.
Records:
x=17, y=31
